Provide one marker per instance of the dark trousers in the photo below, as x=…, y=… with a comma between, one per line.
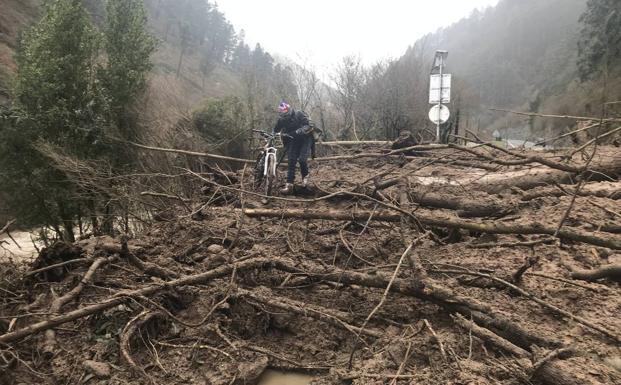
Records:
x=298, y=151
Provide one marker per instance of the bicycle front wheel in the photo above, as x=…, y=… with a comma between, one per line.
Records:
x=269, y=178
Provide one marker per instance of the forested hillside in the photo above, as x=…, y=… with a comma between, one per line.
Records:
x=521, y=55
x=199, y=86
x=525, y=55
x=199, y=54
x=16, y=15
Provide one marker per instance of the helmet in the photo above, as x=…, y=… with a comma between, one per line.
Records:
x=284, y=109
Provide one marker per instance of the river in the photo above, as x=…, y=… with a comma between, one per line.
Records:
x=22, y=252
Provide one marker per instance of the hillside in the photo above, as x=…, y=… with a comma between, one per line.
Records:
x=520, y=55
x=187, y=90
x=15, y=16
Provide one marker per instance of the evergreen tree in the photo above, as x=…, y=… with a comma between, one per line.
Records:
x=58, y=103
x=129, y=47
x=217, y=42
x=54, y=80
x=600, y=42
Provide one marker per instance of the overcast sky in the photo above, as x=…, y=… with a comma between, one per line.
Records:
x=321, y=32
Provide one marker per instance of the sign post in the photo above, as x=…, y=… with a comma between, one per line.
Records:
x=439, y=92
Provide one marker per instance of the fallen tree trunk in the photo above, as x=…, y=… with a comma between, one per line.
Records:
x=397, y=152
x=523, y=179
x=521, y=159
x=192, y=153
x=602, y=167
x=425, y=289
x=345, y=143
x=465, y=207
x=462, y=163
x=485, y=227
x=551, y=372
x=585, y=118
x=611, y=272
x=603, y=190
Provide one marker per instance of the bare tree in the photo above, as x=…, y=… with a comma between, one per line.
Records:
x=306, y=81
x=348, y=79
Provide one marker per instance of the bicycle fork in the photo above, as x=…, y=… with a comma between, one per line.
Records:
x=270, y=153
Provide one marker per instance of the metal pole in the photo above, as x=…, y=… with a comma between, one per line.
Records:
x=440, y=100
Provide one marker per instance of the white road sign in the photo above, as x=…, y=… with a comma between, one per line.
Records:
x=436, y=113
x=434, y=89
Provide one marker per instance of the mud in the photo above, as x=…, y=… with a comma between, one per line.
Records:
x=273, y=377
x=212, y=334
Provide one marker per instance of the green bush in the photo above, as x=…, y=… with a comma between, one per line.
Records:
x=223, y=122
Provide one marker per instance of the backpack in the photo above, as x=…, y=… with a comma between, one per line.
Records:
x=316, y=133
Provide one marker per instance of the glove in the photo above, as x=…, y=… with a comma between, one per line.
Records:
x=302, y=130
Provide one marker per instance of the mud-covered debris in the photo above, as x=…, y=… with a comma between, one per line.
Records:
x=215, y=249
x=292, y=290
x=100, y=370
x=249, y=372
x=56, y=253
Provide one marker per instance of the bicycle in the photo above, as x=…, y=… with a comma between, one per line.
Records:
x=267, y=161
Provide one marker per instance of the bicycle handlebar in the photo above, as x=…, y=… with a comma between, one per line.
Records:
x=273, y=135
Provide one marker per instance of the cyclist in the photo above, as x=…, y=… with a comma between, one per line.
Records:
x=297, y=125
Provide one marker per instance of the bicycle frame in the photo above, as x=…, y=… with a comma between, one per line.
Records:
x=266, y=172
x=270, y=151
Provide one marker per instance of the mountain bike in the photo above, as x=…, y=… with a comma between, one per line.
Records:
x=267, y=162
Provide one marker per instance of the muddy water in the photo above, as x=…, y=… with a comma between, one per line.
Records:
x=274, y=377
x=24, y=251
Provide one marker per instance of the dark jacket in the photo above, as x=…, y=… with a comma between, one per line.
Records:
x=290, y=123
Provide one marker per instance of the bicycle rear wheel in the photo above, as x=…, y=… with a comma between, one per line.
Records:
x=259, y=168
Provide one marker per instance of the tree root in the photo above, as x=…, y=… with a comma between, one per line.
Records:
x=128, y=332
x=49, y=345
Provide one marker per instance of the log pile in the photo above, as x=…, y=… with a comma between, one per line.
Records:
x=463, y=265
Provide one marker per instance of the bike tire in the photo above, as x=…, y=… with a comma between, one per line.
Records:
x=258, y=170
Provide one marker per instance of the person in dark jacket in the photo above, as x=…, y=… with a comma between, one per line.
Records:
x=297, y=125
